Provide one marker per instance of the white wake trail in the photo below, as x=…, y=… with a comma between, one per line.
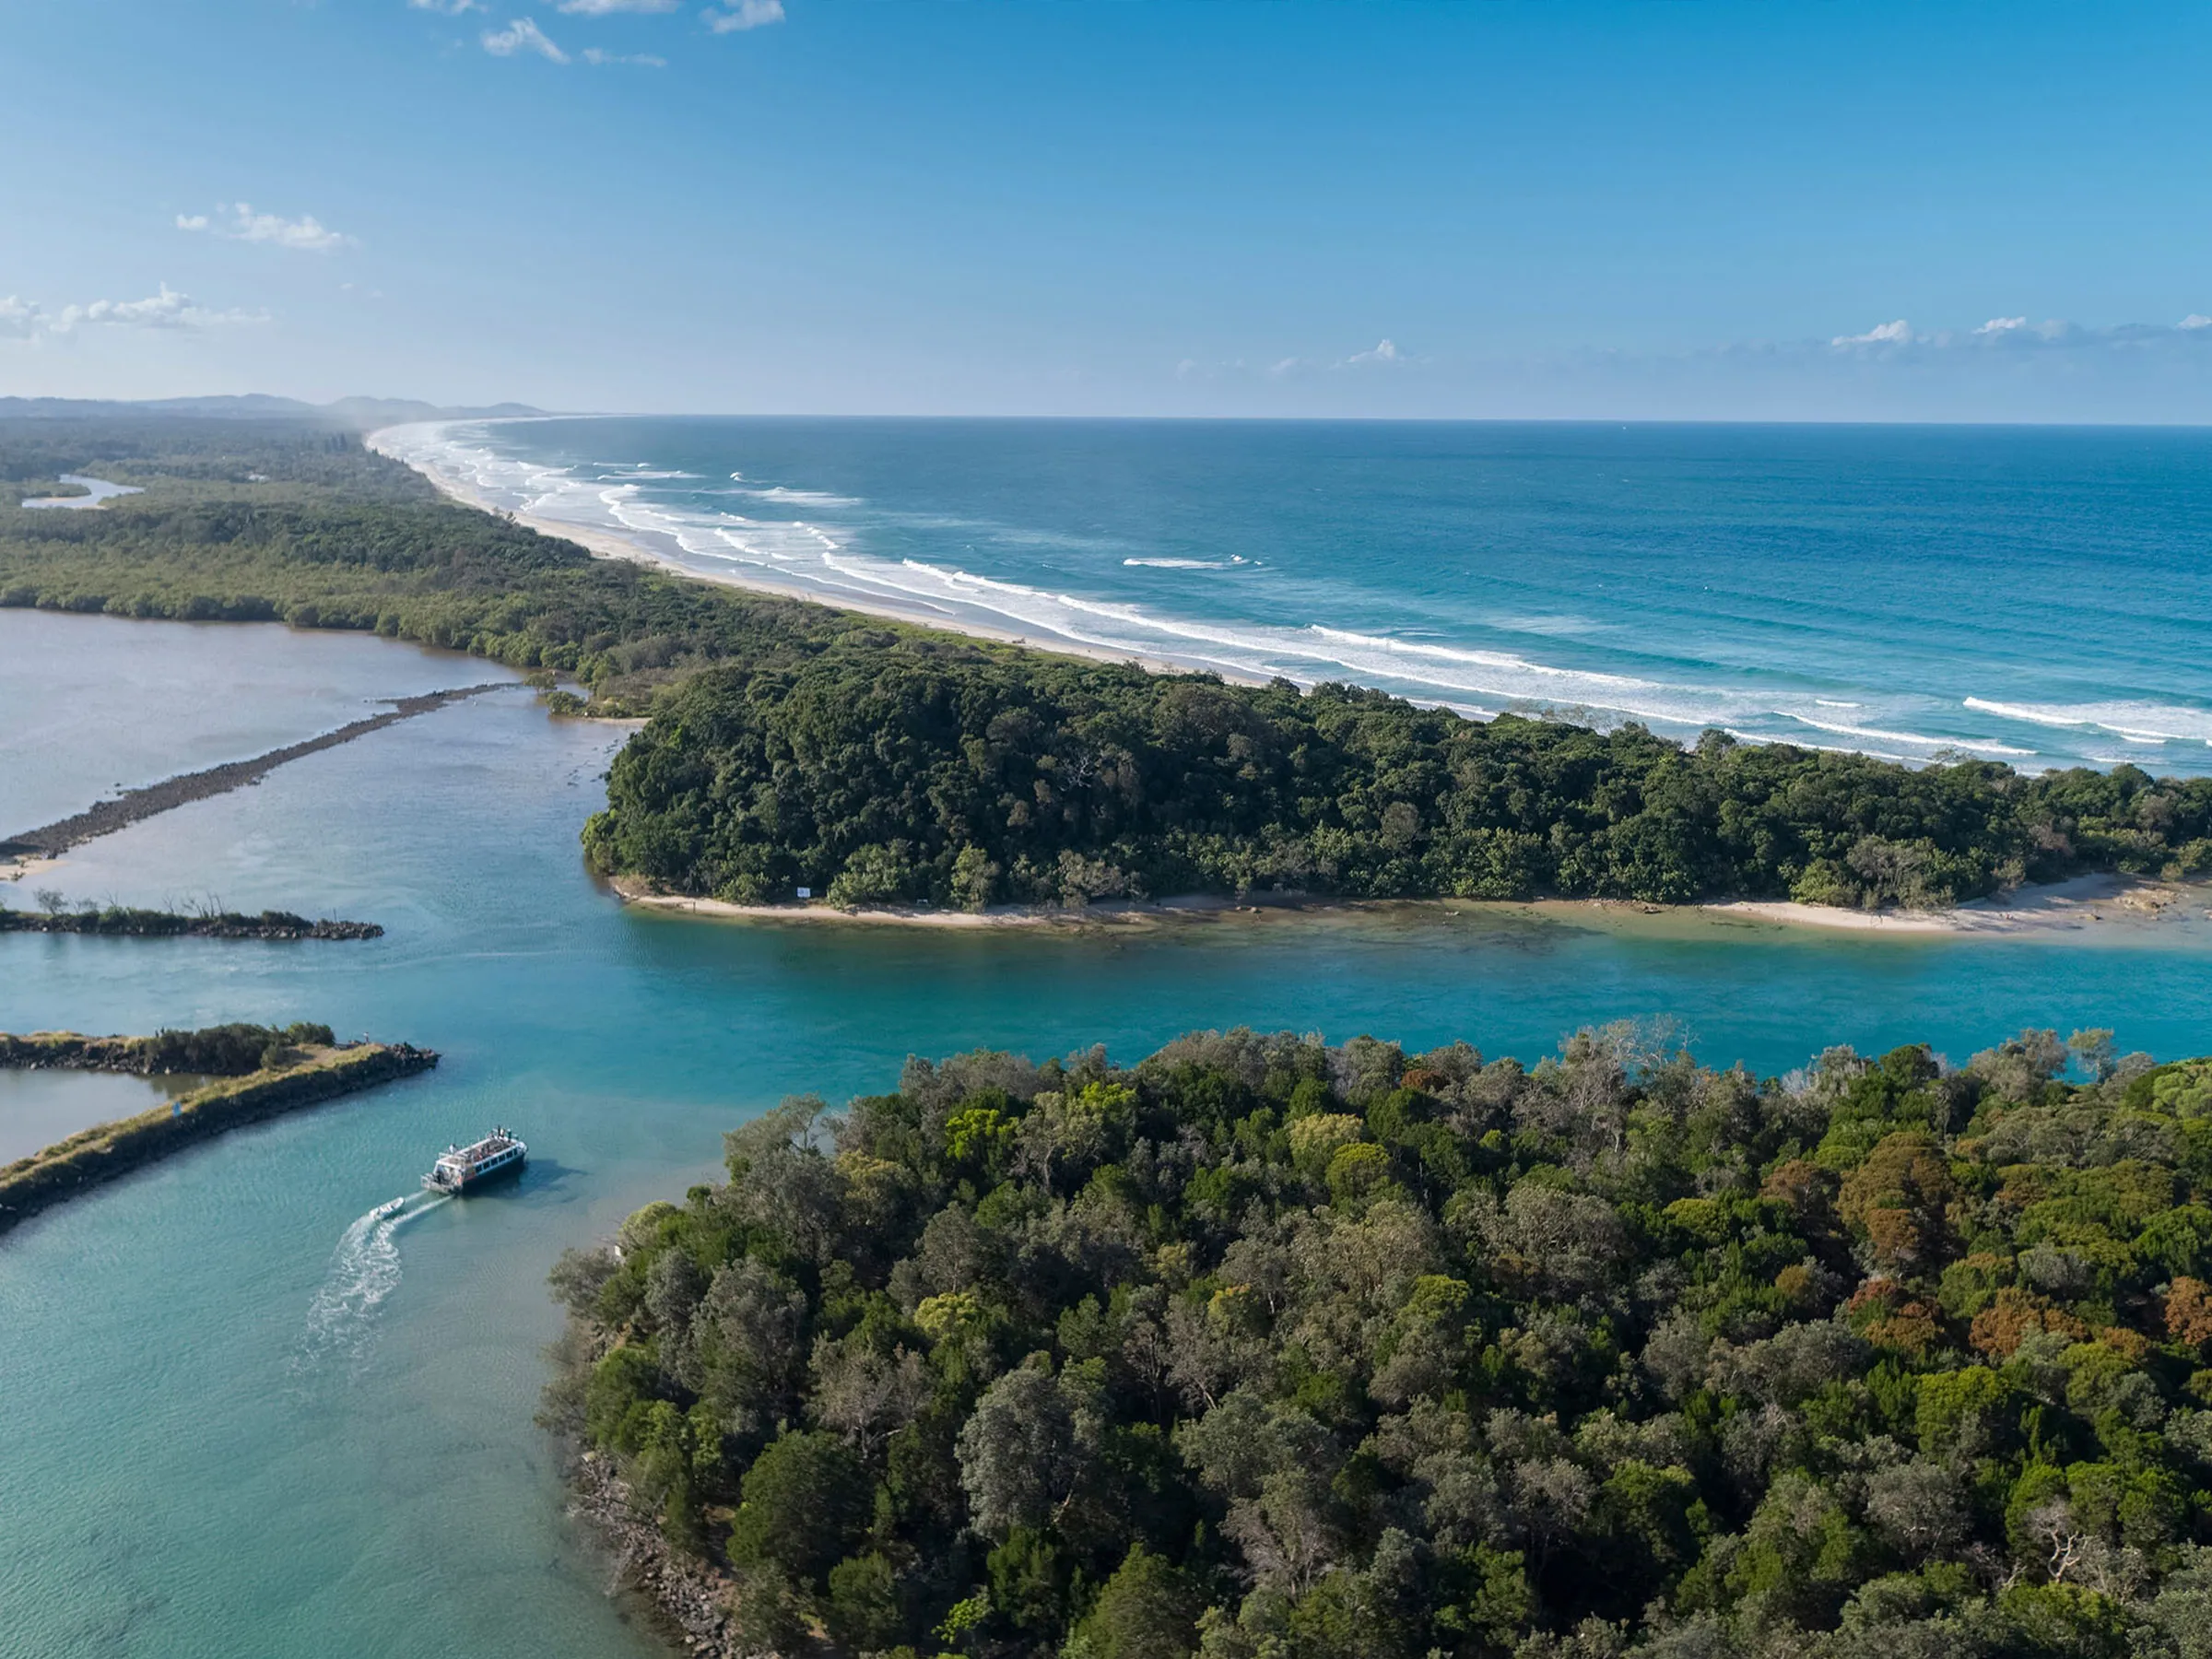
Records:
x=364, y=1270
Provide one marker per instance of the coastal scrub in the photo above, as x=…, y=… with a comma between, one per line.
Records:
x=1266, y=1347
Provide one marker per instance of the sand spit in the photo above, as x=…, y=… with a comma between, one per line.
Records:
x=2116, y=902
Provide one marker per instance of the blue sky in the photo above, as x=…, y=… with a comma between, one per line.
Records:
x=1649, y=211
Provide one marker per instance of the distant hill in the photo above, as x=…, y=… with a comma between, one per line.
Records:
x=355, y=414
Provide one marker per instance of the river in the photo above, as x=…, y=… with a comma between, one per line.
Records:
x=241, y=1422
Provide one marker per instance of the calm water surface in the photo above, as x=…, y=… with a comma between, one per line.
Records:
x=238, y=1422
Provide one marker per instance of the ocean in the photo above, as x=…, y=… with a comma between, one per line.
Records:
x=2034, y=595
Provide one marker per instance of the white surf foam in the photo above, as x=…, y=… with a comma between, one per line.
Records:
x=2138, y=722
x=1843, y=729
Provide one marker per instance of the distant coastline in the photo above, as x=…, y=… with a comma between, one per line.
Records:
x=609, y=543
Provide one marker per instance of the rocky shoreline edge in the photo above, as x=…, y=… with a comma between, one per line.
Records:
x=688, y=1600
x=166, y=924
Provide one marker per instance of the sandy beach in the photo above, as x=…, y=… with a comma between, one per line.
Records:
x=2114, y=902
x=608, y=544
x=2084, y=901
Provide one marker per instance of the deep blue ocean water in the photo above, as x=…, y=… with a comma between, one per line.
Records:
x=2037, y=595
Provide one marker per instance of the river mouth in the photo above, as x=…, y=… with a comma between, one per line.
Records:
x=323, y=1453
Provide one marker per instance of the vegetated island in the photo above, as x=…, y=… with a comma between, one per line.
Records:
x=794, y=746
x=128, y=921
x=259, y=1072
x=1261, y=1347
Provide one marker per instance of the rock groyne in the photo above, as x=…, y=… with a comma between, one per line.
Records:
x=134, y=805
x=97, y=1155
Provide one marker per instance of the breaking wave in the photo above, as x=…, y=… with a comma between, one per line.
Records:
x=1667, y=660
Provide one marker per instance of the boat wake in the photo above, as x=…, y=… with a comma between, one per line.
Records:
x=364, y=1270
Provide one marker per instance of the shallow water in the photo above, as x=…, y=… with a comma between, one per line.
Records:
x=241, y=1418
x=38, y=1108
x=98, y=704
x=2036, y=596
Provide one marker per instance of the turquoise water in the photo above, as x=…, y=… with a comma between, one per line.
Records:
x=242, y=1420
x=2029, y=594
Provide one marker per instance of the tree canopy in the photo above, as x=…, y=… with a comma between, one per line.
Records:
x=1263, y=1348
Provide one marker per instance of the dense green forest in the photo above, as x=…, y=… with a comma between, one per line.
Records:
x=796, y=746
x=1264, y=1348
x=882, y=777
x=259, y=521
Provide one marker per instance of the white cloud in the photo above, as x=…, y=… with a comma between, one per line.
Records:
x=307, y=233
x=28, y=320
x=2195, y=321
x=2002, y=325
x=745, y=14
x=1385, y=352
x=1898, y=332
x=600, y=9
x=522, y=35
x=451, y=7
x=643, y=60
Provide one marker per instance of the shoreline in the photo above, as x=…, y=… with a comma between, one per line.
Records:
x=610, y=544
x=2101, y=902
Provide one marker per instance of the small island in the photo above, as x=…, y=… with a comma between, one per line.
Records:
x=1263, y=1348
x=256, y=1073
x=118, y=920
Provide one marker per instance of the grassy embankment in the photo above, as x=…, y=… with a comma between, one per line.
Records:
x=272, y=1072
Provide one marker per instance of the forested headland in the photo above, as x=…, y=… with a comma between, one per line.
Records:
x=794, y=745
x=1260, y=1347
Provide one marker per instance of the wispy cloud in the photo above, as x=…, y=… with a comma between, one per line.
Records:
x=1882, y=333
x=168, y=309
x=451, y=7
x=241, y=223
x=1385, y=352
x=642, y=59
x=600, y=9
x=522, y=35
x=745, y=14
x=2011, y=335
